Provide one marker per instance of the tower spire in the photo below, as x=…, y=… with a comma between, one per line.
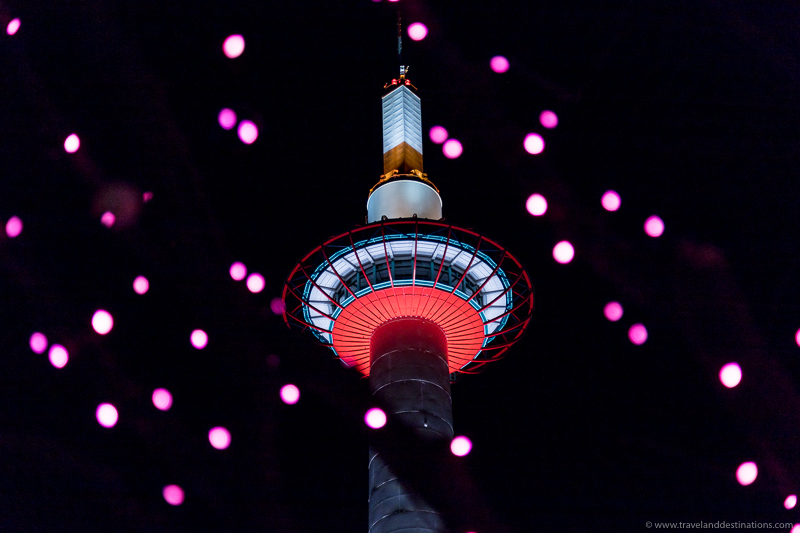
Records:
x=400, y=45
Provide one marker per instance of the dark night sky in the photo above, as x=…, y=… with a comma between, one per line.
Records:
x=690, y=110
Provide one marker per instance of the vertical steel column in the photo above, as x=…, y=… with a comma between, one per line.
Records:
x=409, y=376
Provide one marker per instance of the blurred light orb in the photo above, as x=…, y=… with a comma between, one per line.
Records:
x=461, y=446
x=563, y=252
x=107, y=415
x=72, y=143
x=147, y=196
x=499, y=64
x=790, y=501
x=219, y=437
x=452, y=149
x=13, y=26
x=730, y=375
x=255, y=282
x=613, y=311
x=102, y=321
x=438, y=134
x=108, y=219
x=290, y=394
x=238, y=271
x=141, y=285
x=173, y=494
x=797, y=337
x=637, y=334
x=611, y=201
x=795, y=529
x=548, y=119
x=277, y=306
x=162, y=399
x=199, y=339
x=375, y=418
x=417, y=31
x=58, y=356
x=534, y=143
x=233, y=46
x=654, y=226
x=226, y=119
x=747, y=473
x=38, y=342
x=536, y=205
x=13, y=227
x=248, y=132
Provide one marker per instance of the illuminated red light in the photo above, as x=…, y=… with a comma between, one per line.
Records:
x=255, y=282
x=226, y=119
x=438, y=134
x=534, y=143
x=238, y=271
x=417, y=31
x=13, y=227
x=499, y=64
x=790, y=501
x=637, y=334
x=548, y=119
x=611, y=201
x=102, y=321
x=248, y=132
x=461, y=446
x=746, y=473
x=654, y=226
x=452, y=149
x=58, y=356
x=13, y=26
x=233, y=46
x=290, y=394
x=563, y=252
x=107, y=415
x=141, y=285
x=613, y=311
x=38, y=342
x=375, y=418
x=536, y=205
x=730, y=375
x=72, y=143
x=199, y=339
x=173, y=494
x=162, y=399
x=108, y=219
x=219, y=437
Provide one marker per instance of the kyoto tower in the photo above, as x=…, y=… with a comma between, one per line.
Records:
x=410, y=302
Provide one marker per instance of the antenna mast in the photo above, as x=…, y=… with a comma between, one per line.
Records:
x=400, y=44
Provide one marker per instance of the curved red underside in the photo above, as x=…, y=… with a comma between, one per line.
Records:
x=460, y=321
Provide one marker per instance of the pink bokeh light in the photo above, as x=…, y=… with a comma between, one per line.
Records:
x=613, y=311
x=654, y=226
x=255, y=282
x=248, y=132
x=219, y=437
x=417, y=31
x=13, y=26
x=534, y=143
x=173, y=494
x=199, y=339
x=162, y=399
x=147, y=196
x=72, y=143
x=746, y=473
x=438, y=134
x=548, y=119
x=790, y=501
x=38, y=342
x=730, y=375
x=461, y=446
x=141, y=285
x=226, y=119
x=499, y=64
x=233, y=46
x=277, y=306
x=797, y=337
x=637, y=334
x=563, y=252
x=452, y=149
x=375, y=418
x=58, y=356
x=290, y=394
x=102, y=321
x=795, y=529
x=536, y=205
x=108, y=219
x=611, y=201
x=13, y=227
x=107, y=415
x=238, y=271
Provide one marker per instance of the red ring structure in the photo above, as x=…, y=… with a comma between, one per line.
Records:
x=471, y=287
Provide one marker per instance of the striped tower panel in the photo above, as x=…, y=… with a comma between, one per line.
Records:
x=402, y=131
